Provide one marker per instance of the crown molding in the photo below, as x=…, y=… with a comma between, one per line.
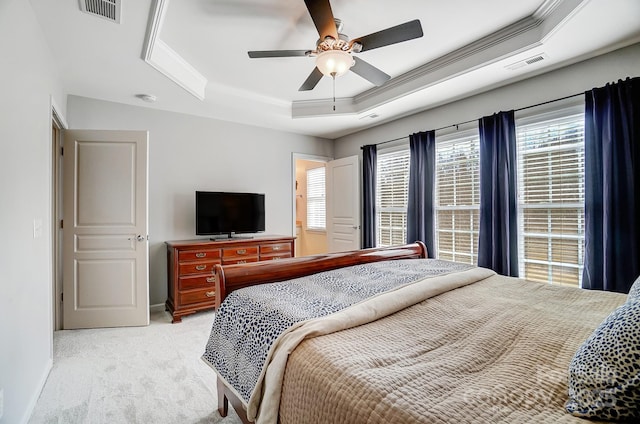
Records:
x=545, y=9
x=511, y=40
x=154, y=25
x=166, y=60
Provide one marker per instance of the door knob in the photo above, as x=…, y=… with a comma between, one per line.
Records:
x=140, y=237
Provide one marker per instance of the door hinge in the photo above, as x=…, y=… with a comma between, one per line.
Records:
x=62, y=151
x=61, y=223
x=61, y=297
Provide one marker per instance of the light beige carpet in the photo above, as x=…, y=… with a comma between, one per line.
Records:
x=148, y=374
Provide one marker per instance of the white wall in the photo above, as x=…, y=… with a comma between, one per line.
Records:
x=27, y=80
x=188, y=153
x=563, y=82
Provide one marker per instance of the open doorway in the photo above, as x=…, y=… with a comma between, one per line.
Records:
x=309, y=204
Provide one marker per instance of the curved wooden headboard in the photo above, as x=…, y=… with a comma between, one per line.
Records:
x=232, y=277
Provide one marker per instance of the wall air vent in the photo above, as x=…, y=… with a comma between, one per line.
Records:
x=526, y=62
x=107, y=9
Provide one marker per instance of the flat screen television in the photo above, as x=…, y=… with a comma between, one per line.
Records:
x=224, y=214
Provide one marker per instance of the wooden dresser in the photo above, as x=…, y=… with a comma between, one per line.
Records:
x=191, y=284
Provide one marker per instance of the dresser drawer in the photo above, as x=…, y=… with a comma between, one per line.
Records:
x=275, y=248
x=275, y=256
x=199, y=281
x=198, y=255
x=239, y=252
x=202, y=267
x=197, y=296
x=239, y=260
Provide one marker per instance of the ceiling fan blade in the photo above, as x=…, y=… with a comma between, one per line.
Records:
x=277, y=53
x=312, y=80
x=320, y=11
x=397, y=34
x=369, y=72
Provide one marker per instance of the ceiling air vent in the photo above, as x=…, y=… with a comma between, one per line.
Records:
x=107, y=9
x=534, y=60
x=527, y=62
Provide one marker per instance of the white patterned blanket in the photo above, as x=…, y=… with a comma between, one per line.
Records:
x=254, y=322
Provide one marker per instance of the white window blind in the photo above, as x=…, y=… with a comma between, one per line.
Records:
x=551, y=198
x=458, y=197
x=316, y=209
x=392, y=190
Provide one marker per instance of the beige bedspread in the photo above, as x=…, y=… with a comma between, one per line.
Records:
x=494, y=351
x=264, y=403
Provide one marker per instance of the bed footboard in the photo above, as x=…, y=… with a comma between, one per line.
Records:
x=232, y=277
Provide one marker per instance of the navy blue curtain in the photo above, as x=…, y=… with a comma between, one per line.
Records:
x=612, y=186
x=422, y=173
x=498, y=232
x=369, y=160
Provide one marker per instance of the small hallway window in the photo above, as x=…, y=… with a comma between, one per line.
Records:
x=316, y=199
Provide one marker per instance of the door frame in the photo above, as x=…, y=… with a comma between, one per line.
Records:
x=294, y=158
x=58, y=123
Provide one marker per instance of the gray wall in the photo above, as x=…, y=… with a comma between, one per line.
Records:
x=563, y=82
x=188, y=153
x=27, y=80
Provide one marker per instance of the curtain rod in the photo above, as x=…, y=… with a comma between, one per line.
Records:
x=474, y=120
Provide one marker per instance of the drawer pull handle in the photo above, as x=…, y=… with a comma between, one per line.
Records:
x=277, y=258
x=211, y=279
x=210, y=294
x=241, y=251
x=241, y=262
x=276, y=247
x=200, y=255
x=201, y=267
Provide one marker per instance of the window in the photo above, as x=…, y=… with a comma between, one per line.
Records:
x=457, y=206
x=551, y=197
x=392, y=191
x=316, y=215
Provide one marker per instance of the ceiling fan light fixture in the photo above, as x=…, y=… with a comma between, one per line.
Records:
x=334, y=62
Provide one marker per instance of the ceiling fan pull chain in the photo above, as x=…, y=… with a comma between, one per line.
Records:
x=333, y=76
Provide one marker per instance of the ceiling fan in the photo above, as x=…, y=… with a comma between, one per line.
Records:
x=334, y=50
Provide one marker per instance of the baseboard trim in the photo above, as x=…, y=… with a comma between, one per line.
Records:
x=159, y=307
x=34, y=400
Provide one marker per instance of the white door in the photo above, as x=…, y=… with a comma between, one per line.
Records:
x=105, y=247
x=343, y=204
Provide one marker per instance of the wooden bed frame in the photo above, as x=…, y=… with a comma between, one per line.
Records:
x=232, y=277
